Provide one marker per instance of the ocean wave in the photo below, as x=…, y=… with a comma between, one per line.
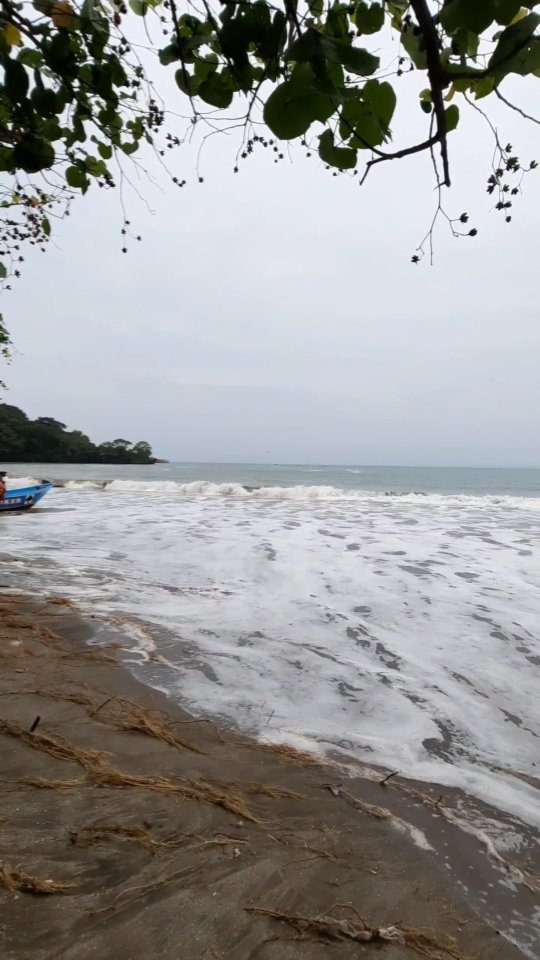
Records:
x=301, y=492
x=84, y=484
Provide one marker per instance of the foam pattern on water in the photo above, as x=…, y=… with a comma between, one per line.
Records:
x=402, y=630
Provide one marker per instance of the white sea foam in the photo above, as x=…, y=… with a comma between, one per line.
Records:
x=397, y=629
x=15, y=483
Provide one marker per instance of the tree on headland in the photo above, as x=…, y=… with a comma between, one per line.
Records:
x=79, y=95
x=51, y=422
x=46, y=440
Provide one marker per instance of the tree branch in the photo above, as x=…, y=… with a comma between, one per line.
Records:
x=399, y=154
x=436, y=77
x=512, y=106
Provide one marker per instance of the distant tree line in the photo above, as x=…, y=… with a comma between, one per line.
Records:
x=46, y=440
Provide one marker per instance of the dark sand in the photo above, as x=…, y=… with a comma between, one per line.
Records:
x=128, y=830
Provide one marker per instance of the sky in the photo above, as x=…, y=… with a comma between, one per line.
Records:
x=274, y=315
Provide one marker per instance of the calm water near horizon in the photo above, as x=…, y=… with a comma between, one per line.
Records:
x=477, y=481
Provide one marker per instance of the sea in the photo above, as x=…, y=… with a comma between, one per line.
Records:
x=388, y=615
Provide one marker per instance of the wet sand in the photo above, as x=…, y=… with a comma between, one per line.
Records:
x=130, y=830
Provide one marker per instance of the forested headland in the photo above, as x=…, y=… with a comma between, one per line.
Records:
x=46, y=440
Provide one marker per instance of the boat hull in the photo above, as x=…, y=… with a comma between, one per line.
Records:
x=24, y=498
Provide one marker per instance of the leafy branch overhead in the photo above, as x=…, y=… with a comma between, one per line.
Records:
x=78, y=98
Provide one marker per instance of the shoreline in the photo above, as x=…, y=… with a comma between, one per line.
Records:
x=186, y=831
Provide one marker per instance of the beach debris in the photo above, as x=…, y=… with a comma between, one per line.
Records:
x=388, y=777
x=97, y=765
x=16, y=880
x=130, y=717
x=42, y=783
x=55, y=746
x=382, y=813
x=335, y=791
x=289, y=753
x=35, y=723
x=333, y=928
x=276, y=793
x=104, y=704
x=102, y=832
x=325, y=926
x=226, y=796
x=106, y=832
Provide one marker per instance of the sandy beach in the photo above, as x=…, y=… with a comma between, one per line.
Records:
x=131, y=830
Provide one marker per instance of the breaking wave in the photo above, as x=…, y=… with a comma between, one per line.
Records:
x=309, y=492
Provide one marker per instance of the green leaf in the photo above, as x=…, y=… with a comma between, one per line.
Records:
x=15, y=80
x=342, y=157
x=512, y=40
x=204, y=67
x=305, y=47
x=140, y=7
x=217, y=90
x=426, y=106
x=105, y=151
x=186, y=82
x=452, y=117
x=51, y=129
x=33, y=154
x=483, y=87
x=413, y=44
x=465, y=43
x=234, y=39
x=30, y=58
x=359, y=126
x=44, y=6
x=312, y=44
x=169, y=54
x=462, y=84
x=506, y=10
x=110, y=118
x=337, y=21
x=369, y=17
x=527, y=61
x=3, y=271
x=293, y=106
x=44, y=101
x=475, y=15
x=76, y=178
x=46, y=226
x=381, y=98
x=354, y=59
x=316, y=8
x=98, y=168
x=366, y=116
x=118, y=74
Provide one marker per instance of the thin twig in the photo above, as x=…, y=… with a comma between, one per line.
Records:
x=512, y=106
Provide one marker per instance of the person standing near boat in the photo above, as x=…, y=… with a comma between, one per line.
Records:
x=3, y=487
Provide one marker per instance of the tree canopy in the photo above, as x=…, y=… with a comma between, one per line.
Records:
x=80, y=89
x=46, y=440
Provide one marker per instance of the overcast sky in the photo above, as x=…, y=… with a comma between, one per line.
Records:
x=275, y=315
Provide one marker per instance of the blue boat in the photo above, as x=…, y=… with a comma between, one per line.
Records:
x=24, y=498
